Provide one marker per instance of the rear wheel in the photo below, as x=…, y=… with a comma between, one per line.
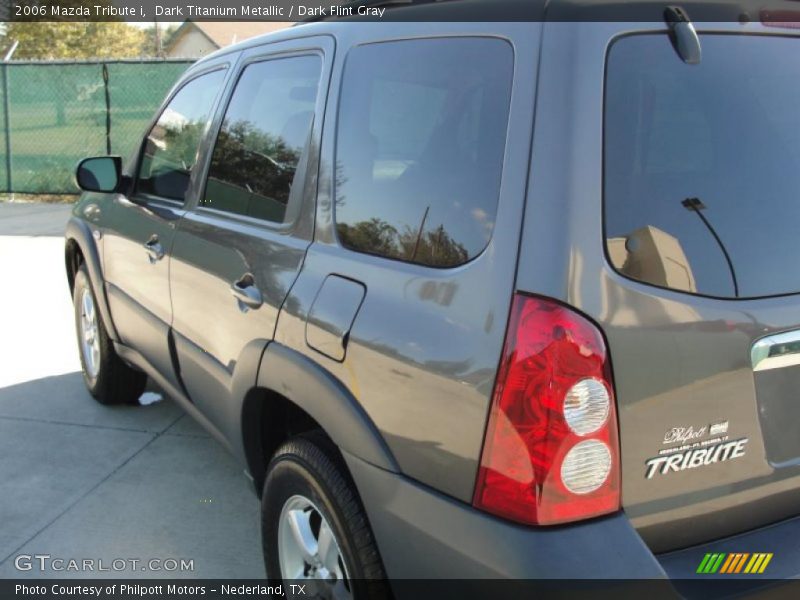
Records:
x=107, y=377
x=314, y=527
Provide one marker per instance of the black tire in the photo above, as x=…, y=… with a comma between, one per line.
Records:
x=115, y=381
x=311, y=466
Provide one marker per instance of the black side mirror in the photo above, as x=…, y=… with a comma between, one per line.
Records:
x=99, y=174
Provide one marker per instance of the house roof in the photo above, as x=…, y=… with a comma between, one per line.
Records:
x=224, y=33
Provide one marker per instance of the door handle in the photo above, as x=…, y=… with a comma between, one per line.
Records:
x=155, y=251
x=246, y=292
x=776, y=351
x=92, y=212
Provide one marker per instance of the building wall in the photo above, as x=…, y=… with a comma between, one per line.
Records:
x=191, y=44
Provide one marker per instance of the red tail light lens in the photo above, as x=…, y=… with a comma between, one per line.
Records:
x=551, y=452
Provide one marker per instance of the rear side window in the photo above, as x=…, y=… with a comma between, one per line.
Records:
x=170, y=149
x=702, y=165
x=420, y=143
x=263, y=136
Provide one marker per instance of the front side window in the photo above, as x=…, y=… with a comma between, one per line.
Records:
x=420, y=144
x=171, y=146
x=264, y=134
x=702, y=164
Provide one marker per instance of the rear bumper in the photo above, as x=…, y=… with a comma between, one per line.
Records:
x=424, y=535
x=782, y=540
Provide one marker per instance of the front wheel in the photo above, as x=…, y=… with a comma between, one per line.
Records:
x=107, y=377
x=314, y=526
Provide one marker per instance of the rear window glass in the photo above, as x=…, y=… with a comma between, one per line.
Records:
x=419, y=155
x=702, y=165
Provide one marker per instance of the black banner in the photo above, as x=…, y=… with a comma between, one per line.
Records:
x=785, y=12
x=149, y=589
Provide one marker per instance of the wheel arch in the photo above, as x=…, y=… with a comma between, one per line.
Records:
x=80, y=248
x=293, y=395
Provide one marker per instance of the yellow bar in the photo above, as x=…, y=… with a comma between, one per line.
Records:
x=741, y=562
x=765, y=563
x=760, y=557
x=751, y=566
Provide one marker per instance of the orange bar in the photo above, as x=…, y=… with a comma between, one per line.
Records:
x=728, y=561
x=741, y=562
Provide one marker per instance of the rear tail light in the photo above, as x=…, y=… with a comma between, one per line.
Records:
x=551, y=452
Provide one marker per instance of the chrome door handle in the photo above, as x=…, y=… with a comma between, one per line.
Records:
x=155, y=251
x=776, y=351
x=246, y=292
x=92, y=212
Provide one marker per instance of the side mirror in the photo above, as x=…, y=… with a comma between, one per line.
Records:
x=99, y=174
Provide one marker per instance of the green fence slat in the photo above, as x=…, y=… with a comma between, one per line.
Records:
x=57, y=114
x=5, y=156
x=136, y=91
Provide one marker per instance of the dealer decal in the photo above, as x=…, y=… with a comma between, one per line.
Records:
x=689, y=449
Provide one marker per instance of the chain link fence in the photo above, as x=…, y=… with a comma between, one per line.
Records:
x=55, y=113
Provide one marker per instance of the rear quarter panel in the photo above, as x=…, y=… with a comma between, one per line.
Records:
x=425, y=345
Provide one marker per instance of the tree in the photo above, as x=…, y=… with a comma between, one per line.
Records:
x=431, y=247
x=375, y=236
x=75, y=40
x=150, y=45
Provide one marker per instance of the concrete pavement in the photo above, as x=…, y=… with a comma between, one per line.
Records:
x=83, y=481
x=33, y=219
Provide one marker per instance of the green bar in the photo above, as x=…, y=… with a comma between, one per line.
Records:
x=711, y=562
x=718, y=563
x=701, y=568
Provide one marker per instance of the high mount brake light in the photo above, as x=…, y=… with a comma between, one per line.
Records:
x=551, y=452
x=787, y=19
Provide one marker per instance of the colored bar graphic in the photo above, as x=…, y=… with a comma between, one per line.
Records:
x=741, y=562
x=703, y=563
x=734, y=563
x=731, y=567
x=754, y=563
x=764, y=564
x=728, y=563
x=717, y=564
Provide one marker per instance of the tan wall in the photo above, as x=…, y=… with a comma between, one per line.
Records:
x=191, y=44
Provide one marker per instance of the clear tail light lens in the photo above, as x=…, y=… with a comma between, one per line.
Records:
x=586, y=467
x=551, y=451
x=586, y=406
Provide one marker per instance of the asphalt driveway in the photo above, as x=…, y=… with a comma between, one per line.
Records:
x=81, y=481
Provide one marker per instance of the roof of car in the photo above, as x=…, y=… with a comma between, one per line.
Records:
x=536, y=10
x=564, y=10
